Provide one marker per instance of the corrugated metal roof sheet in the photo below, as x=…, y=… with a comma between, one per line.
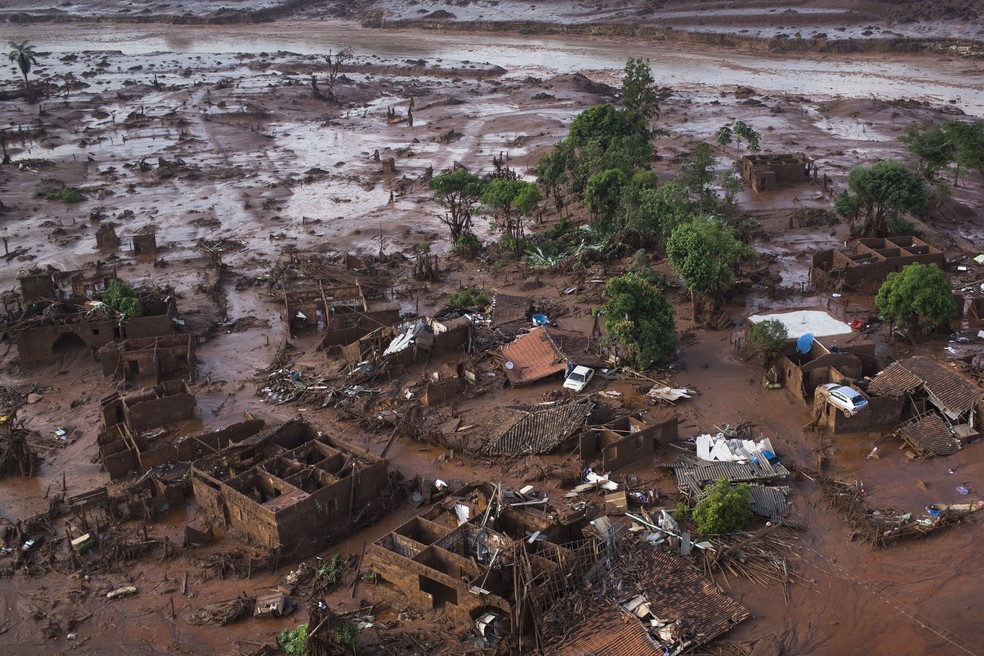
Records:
x=929, y=435
x=769, y=502
x=532, y=429
x=692, y=477
x=534, y=357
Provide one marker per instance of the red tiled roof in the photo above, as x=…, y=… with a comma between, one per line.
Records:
x=608, y=632
x=534, y=357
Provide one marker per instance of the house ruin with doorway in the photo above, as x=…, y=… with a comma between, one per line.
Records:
x=292, y=488
x=62, y=312
x=770, y=172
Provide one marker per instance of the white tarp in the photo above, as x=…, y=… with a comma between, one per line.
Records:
x=718, y=448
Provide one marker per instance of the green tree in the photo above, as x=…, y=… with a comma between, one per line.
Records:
x=639, y=318
x=723, y=509
x=706, y=254
x=697, y=175
x=745, y=131
x=642, y=267
x=639, y=92
x=121, y=297
x=510, y=201
x=23, y=53
x=725, y=136
x=553, y=172
x=879, y=195
x=660, y=211
x=769, y=337
x=930, y=143
x=603, y=198
x=918, y=298
x=967, y=140
x=458, y=191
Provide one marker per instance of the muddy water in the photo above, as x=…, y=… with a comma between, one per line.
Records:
x=924, y=78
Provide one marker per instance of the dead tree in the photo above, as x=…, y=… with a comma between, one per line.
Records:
x=335, y=63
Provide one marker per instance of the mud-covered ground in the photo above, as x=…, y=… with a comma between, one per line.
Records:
x=253, y=161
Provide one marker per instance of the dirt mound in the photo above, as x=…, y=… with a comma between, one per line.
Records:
x=580, y=83
x=854, y=107
x=949, y=210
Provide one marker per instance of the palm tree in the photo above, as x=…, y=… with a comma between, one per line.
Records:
x=23, y=53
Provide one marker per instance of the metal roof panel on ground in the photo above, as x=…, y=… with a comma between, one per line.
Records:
x=929, y=435
x=691, y=477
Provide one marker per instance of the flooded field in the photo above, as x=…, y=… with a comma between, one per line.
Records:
x=213, y=138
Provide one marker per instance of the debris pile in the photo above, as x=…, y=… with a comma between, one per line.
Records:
x=224, y=612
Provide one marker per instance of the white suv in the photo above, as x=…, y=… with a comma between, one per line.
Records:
x=846, y=398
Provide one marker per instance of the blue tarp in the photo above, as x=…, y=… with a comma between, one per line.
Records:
x=804, y=343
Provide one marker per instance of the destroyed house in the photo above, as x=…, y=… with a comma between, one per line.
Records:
x=769, y=172
x=123, y=452
x=625, y=442
x=923, y=384
x=522, y=430
x=162, y=405
x=657, y=604
x=864, y=268
x=292, y=488
x=343, y=312
x=545, y=352
x=410, y=342
x=76, y=318
x=154, y=359
x=485, y=551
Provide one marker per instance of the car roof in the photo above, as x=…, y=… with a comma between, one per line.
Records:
x=581, y=369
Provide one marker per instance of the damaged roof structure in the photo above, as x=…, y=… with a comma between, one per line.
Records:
x=545, y=352
x=521, y=430
x=654, y=603
x=920, y=380
x=291, y=487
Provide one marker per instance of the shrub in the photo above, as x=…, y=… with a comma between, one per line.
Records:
x=121, y=297
x=467, y=246
x=725, y=509
x=347, y=635
x=470, y=298
x=331, y=571
x=768, y=336
x=58, y=192
x=294, y=641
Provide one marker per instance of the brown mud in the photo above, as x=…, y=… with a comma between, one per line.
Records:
x=209, y=144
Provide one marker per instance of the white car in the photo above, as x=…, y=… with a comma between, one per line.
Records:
x=579, y=378
x=846, y=398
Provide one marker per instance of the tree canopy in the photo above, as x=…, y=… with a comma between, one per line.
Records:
x=769, y=337
x=458, y=191
x=706, y=254
x=725, y=509
x=510, y=201
x=878, y=196
x=24, y=55
x=919, y=298
x=639, y=318
x=950, y=145
x=639, y=91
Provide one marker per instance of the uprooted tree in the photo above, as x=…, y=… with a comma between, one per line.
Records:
x=639, y=318
x=919, y=298
x=878, y=198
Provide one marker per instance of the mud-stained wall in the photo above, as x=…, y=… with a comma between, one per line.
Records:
x=44, y=344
